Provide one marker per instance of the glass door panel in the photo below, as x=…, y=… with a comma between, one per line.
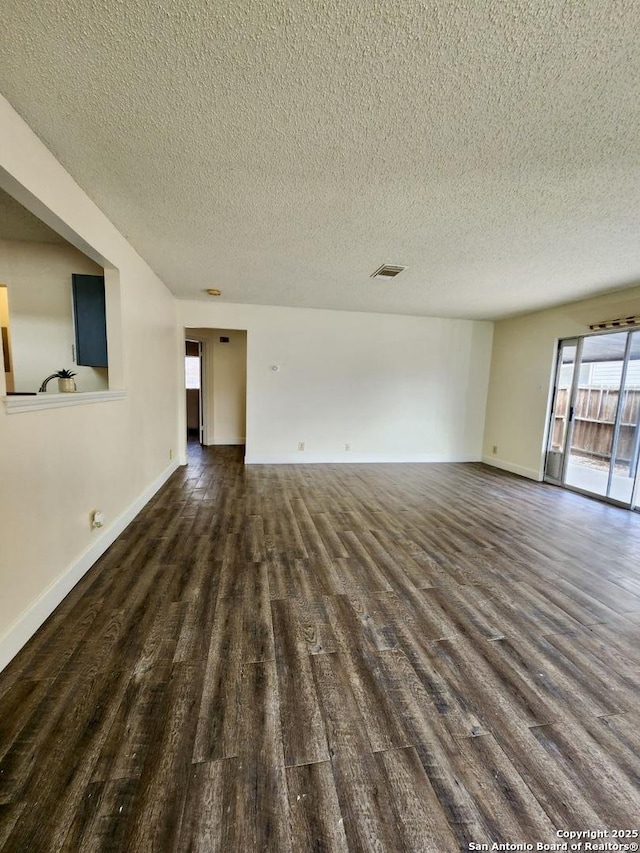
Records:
x=627, y=438
x=596, y=406
x=560, y=411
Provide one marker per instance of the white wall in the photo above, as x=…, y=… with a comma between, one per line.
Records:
x=38, y=277
x=225, y=392
x=395, y=388
x=58, y=465
x=524, y=350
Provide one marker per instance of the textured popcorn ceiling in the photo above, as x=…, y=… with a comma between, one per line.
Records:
x=282, y=151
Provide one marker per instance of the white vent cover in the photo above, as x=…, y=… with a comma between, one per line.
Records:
x=387, y=271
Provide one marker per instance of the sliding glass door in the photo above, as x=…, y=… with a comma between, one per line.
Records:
x=626, y=442
x=594, y=435
x=595, y=408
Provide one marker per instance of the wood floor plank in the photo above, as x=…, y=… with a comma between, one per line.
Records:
x=366, y=803
x=199, y=609
x=315, y=631
x=439, y=752
x=394, y=570
x=9, y=816
x=557, y=793
x=303, y=732
x=344, y=724
x=509, y=809
x=233, y=567
x=212, y=810
x=316, y=819
x=623, y=636
x=47, y=653
x=605, y=679
x=372, y=574
x=217, y=732
x=619, y=738
x=131, y=736
x=57, y=776
x=420, y=610
x=383, y=722
x=523, y=605
x=330, y=539
x=101, y=820
x=372, y=616
x=471, y=608
x=313, y=542
x=160, y=795
x=419, y=817
x=549, y=688
x=461, y=715
x=114, y=637
x=256, y=546
x=497, y=698
x=16, y=706
x=288, y=537
x=257, y=630
x=420, y=570
x=283, y=575
x=264, y=819
x=584, y=762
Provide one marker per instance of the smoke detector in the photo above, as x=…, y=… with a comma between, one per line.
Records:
x=387, y=271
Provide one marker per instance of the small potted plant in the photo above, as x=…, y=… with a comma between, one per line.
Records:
x=66, y=381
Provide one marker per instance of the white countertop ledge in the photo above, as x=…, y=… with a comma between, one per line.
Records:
x=29, y=403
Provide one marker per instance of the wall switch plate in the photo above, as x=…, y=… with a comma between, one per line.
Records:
x=301, y=445
x=347, y=447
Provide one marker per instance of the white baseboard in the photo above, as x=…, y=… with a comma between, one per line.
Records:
x=529, y=473
x=28, y=623
x=217, y=441
x=350, y=458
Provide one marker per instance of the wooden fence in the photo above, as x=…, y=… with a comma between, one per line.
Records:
x=594, y=421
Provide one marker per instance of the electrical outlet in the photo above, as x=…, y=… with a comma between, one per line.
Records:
x=347, y=447
x=495, y=449
x=301, y=445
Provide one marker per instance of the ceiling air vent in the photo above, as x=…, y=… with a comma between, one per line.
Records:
x=387, y=271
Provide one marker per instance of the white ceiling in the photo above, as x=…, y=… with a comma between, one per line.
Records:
x=282, y=151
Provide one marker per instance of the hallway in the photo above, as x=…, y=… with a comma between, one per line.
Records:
x=334, y=657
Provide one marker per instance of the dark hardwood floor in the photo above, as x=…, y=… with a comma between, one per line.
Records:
x=332, y=658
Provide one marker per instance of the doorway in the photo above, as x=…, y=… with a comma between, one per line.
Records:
x=223, y=385
x=193, y=385
x=594, y=440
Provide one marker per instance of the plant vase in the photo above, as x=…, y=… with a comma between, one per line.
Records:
x=66, y=385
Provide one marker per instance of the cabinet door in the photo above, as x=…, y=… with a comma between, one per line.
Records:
x=90, y=320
